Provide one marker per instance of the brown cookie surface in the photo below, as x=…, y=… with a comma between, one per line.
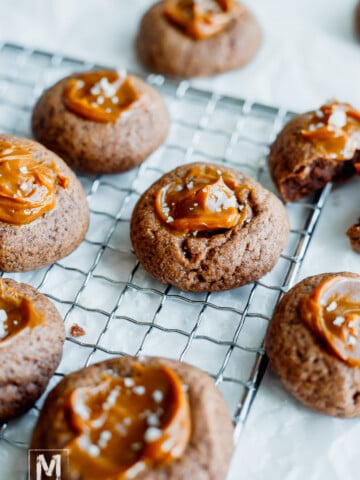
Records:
x=54, y=234
x=297, y=167
x=215, y=262
x=164, y=48
x=29, y=359
x=101, y=147
x=354, y=235
x=208, y=453
x=316, y=377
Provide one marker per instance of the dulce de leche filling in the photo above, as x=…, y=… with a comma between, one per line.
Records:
x=17, y=312
x=334, y=130
x=126, y=425
x=27, y=184
x=332, y=311
x=206, y=200
x=201, y=19
x=100, y=96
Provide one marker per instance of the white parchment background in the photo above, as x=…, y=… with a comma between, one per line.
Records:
x=309, y=54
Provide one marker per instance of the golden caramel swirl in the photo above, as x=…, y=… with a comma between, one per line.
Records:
x=332, y=311
x=101, y=96
x=17, y=313
x=27, y=183
x=206, y=200
x=334, y=130
x=201, y=19
x=125, y=425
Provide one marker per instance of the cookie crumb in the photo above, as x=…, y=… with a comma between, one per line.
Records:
x=77, y=331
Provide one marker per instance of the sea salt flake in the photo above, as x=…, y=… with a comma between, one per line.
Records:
x=152, y=434
x=331, y=307
x=135, y=470
x=338, y=118
x=153, y=420
x=107, y=88
x=115, y=100
x=104, y=438
x=100, y=100
x=158, y=396
x=140, y=390
x=111, y=399
x=24, y=170
x=339, y=321
x=7, y=151
x=3, y=316
x=94, y=450
x=190, y=185
x=81, y=410
x=95, y=90
x=26, y=187
x=129, y=382
x=351, y=340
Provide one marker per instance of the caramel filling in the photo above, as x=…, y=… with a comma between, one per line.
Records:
x=332, y=311
x=206, y=200
x=100, y=96
x=201, y=19
x=27, y=184
x=334, y=130
x=16, y=313
x=125, y=425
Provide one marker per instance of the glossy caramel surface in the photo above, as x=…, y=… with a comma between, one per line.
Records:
x=201, y=19
x=206, y=200
x=27, y=183
x=332, y=311
x=101, y=96
x=126, y=425
x=17, y=312
x=334, y=130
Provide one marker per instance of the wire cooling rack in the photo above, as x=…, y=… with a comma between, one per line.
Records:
x=103, y=288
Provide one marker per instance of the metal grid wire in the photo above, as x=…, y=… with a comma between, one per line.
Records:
x=102, y=287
